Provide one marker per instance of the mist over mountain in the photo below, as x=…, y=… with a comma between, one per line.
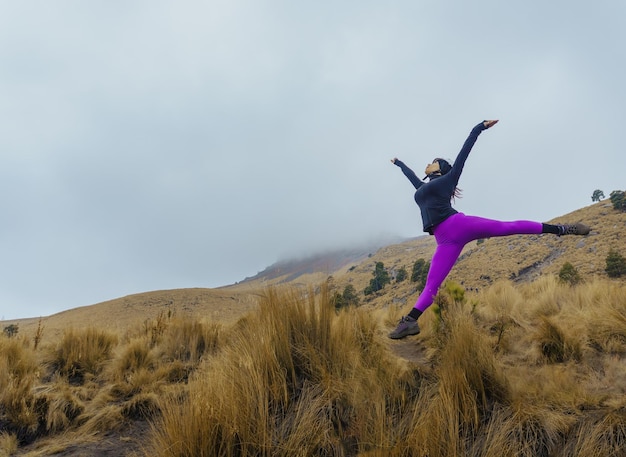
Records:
x=326, y=261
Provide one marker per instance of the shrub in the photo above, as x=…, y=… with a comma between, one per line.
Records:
x=402, y=275
x=11, y=330
x=417, y=270
x=615, y=264
x=349, y=297
x=569, y=274
x=420, y=271
x=618, y=198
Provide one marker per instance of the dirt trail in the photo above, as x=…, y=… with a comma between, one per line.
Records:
x=411, y=349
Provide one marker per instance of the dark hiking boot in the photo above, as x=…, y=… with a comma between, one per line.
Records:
x=574, y=229
x=407, y=326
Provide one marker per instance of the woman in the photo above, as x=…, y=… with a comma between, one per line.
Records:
x=453, y=230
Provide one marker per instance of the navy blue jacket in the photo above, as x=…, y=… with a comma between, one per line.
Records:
x=434, y=197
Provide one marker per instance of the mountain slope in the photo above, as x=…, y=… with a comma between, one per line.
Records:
x=517, y=258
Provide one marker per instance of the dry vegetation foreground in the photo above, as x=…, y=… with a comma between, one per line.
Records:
x=531, y=369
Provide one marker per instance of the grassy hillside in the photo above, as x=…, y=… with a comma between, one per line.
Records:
x=520, y=258
x=511, y=362
x=121, y=314
x=528, y=370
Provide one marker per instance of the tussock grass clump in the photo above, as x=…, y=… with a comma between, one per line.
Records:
x=8, y=444
x=136, y=356
x=607, y=329
x=82, y=352
x=60, y=406
x=555, y=345
x=506, y=301
x=19, y=372
x=599, y=434
x=521, y=430
x=141, y=365
x=544, y=297
x=189, y=340
x=295, y=379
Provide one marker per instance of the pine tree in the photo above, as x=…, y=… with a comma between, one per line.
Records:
x=381, y=278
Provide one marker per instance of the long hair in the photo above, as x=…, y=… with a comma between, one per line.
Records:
x=445, y=167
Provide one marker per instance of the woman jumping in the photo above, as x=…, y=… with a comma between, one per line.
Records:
x=453, y=230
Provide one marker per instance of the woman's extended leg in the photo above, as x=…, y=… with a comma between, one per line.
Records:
x=463, y=229
x=446, y=254
x=470, y=228
x=452, y=235
x=442, y=262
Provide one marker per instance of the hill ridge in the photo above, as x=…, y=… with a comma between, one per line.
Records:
x=517, y=258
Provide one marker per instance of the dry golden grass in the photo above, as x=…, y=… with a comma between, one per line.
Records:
x=8, y=444
x=18, y=376
x=82, y=353
x=518, y=368
x=130, y=313
x=521, y=370
x=296, y=379
x=90, y=382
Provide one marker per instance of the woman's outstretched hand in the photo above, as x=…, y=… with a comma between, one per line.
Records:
x=489, y=124
x=394, y=160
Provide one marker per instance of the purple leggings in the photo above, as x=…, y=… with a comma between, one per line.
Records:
x=452, y=235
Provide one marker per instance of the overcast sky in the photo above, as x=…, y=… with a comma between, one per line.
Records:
x=149, y=145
